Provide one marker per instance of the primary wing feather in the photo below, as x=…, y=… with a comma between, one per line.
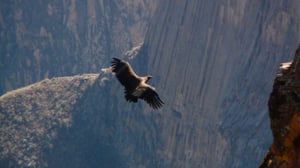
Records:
x=125, y=74
x=152, y=98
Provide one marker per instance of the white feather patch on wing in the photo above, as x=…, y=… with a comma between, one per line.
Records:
x=138, y=91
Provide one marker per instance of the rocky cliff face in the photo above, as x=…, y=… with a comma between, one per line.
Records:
x=30, y=118
x=285, y=118
x=213, y=64
x=49, y=38
x=79, y=121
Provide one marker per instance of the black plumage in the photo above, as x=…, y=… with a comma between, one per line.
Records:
x=135, y=86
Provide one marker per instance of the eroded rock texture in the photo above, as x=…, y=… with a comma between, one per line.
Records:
x=213, y=63
x=41, y=39
x=78, y=121
x=31, y=116
x=284, y=106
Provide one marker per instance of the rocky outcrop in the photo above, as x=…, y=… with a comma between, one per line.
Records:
x=31, y=116
x=79, y=121
x=284, y=106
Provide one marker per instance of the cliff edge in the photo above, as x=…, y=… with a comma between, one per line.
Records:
x=31, y=117
x=284, y=111
x=76, y=121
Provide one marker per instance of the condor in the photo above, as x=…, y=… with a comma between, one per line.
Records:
x=135, y=86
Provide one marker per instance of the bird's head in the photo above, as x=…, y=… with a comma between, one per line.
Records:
x=148, y=78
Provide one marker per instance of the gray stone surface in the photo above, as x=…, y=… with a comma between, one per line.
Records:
x=214, y=63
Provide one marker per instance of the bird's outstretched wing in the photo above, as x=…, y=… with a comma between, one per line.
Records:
x=135, y=86
x=129, y=97
x=152, y=98
x=125, y=74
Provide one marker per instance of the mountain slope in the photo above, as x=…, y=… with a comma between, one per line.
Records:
x=66, y=37
x=31, y=117
x=76, y=121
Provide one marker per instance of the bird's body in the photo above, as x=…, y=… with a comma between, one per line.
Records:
x=135, y=86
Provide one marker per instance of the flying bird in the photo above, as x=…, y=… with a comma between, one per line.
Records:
x=135, y=86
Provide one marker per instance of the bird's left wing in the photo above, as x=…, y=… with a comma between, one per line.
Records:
x=125, y=74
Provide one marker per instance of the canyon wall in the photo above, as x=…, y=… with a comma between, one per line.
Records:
x=41, y=39
x=213, y=64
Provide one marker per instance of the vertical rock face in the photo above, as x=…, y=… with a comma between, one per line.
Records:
x=284, y=106
x=214, y=63
x=64, y=37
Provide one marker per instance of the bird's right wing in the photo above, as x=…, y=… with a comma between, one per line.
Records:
x=125, y=74
x=152, y=98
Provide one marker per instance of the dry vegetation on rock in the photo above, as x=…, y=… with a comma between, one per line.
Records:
x=31, y=116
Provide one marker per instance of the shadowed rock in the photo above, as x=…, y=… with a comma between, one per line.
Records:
x=284, y=111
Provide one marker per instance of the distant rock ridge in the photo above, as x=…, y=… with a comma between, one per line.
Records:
x=31, y=116
x=76, y=121
x=66, y=37
x=284, y=111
